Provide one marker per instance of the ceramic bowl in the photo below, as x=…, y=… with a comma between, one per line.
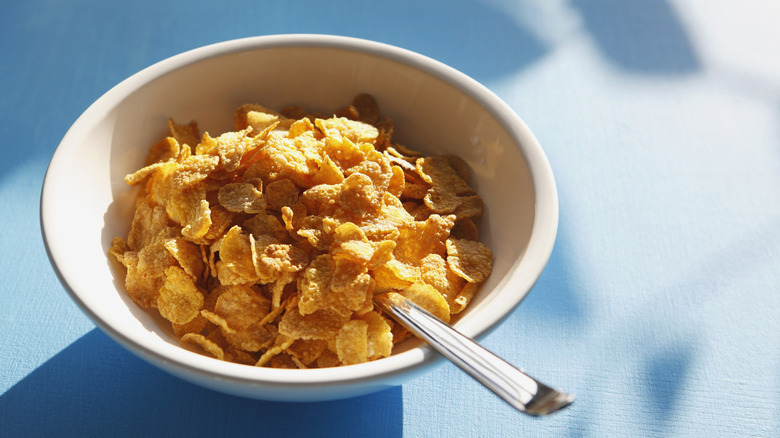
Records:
x=436, y=109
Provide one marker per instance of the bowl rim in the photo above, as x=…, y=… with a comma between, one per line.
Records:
x=539, y=247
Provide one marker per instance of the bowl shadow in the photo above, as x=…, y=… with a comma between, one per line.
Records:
x=94, y=387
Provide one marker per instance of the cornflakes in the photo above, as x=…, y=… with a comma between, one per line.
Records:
x=266, y=245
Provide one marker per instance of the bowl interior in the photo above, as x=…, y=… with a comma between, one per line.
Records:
x=85, y=202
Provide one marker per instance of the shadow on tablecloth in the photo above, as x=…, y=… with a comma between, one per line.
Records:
x=96, y=388
x=641, y=36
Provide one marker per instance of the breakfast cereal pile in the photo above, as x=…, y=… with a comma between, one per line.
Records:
x=265, y=245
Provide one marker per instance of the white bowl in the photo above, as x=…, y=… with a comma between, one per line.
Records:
x=85, y=202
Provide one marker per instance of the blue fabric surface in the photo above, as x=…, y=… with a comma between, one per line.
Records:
x=659, y=308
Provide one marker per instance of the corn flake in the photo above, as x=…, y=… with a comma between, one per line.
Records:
x=243, y=197
x=354, y=131
x=209, y=346
x=471, y=260
x=179, y=300
x=322, y=324
x=188, y=134
x=281, y=193
x=428, y=298
x=352, y=342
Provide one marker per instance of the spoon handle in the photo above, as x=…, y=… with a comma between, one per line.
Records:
x=520, y=390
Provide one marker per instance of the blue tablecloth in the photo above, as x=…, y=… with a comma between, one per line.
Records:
x=660, y=306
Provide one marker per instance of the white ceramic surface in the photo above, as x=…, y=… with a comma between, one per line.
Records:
x=85, y=202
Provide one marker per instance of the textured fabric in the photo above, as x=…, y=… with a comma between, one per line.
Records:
x=659, y=308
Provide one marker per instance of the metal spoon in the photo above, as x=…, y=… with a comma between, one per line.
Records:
x=520, y=390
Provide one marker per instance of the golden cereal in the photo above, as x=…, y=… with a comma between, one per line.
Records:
x=265, y=246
